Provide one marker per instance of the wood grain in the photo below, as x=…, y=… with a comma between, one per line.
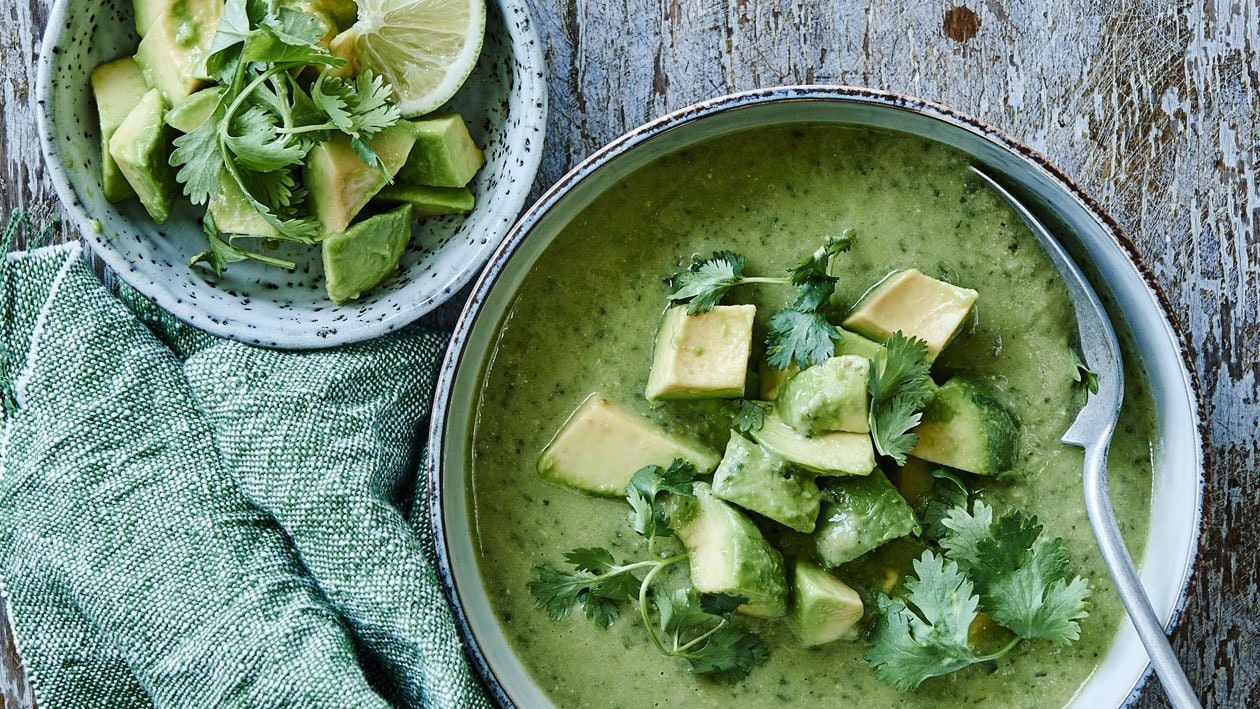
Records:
x=1153, y=107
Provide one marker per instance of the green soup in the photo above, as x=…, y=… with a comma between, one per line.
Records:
x=585, y=318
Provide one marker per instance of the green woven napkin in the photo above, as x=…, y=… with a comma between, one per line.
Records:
x=187, y=521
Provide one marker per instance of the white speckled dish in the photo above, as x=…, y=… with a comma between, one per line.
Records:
x=504, y=102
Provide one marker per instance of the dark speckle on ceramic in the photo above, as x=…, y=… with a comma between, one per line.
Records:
x=504, y=102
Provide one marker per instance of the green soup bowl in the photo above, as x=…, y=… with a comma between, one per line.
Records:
x=1137, y=307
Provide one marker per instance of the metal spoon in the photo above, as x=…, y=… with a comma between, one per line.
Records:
x=1092, y=431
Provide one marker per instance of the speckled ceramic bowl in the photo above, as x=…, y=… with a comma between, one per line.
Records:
x=504, y=102
x=1137, y=308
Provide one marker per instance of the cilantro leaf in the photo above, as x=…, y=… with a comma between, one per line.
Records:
x=1022, y=580
x=924, y=635
x=948, y=491
x=223, y=252
x=747, y=415
x=199, y=159
x=814, y=266
x=899, y=391
x=1085, y=378
x=703, y=284
x=681, y=611
x=597, y=590
x=729, y=654
x=804, y=338
x=647, y=517
x=257, y=145
x=721, y=603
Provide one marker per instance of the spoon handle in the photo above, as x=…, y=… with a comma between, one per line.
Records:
x=1115, y=555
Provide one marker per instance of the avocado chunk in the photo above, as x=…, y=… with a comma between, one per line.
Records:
x=342, y=12
x=728, y=554
x=428, y=201
x=858, y=515
x=966, y=428
x=194, y=12
x=835, y=453
x=918, y=305
x=142, y=148
x=602, y=445
x=831, y=396
x=445, y=154
x=188, y=115
x=764, y=483
x=118, y=87
x=361, y=257
x=702, y=356
x=341, y=184
x=850, y=343
x=914, y=480
x=234, y=214
x=824, y=608
x=173, y=52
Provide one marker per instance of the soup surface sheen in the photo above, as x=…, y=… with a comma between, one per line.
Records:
x=585, y=320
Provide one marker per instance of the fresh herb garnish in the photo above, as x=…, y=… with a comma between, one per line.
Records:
x=999, y=568
x=691, y=626
x=266, y=121
x=746, y=415
x=223, y=252
x=899, y=389
x=1085, y=378
x=800, y=334
x=1023, y=583
x=947, y=492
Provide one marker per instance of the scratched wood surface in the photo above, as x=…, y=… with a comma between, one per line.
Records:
x=1151, y=106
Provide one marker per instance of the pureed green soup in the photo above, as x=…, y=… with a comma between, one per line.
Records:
x=585, y=319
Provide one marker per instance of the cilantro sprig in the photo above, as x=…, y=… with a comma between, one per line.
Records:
x=697, y=628
x=1000, y=567
x=1086, y=379
x=746, y=415
x=799, y=334
x=899, y=387
x=267, y=119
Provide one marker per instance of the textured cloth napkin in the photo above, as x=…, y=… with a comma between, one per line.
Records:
x=187, y=521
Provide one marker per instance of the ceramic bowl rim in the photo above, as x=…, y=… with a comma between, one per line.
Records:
x=442, y=405
x=529, y=84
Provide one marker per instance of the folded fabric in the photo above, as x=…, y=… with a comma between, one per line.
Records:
x=187, y=521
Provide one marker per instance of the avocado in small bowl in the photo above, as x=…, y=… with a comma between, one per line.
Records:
x=150, y=234
x=573, y=309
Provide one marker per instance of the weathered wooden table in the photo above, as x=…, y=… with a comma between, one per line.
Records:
x=1153, y=107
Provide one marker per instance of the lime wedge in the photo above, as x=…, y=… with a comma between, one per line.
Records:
x=425, y=48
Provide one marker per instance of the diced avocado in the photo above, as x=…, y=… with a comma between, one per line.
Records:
x=966, y=428
x=772, y=379
x=917, y=305
x=858, y=515
x=830, y=396
x=914, y=480
x=234, y=214
x=196, y=12
x=188, y=115
x=764, y=483
x=602, y=445
x=118, y=87
x=341, y=184
x=850, y=343
x=141, y=148
x=702, y=356
x=173, y=51
x=824, y=608
x=834, y=453
x=445, y=154
x=361, y=257
x=194, y=17
x=728, y=554
x=428, y=201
